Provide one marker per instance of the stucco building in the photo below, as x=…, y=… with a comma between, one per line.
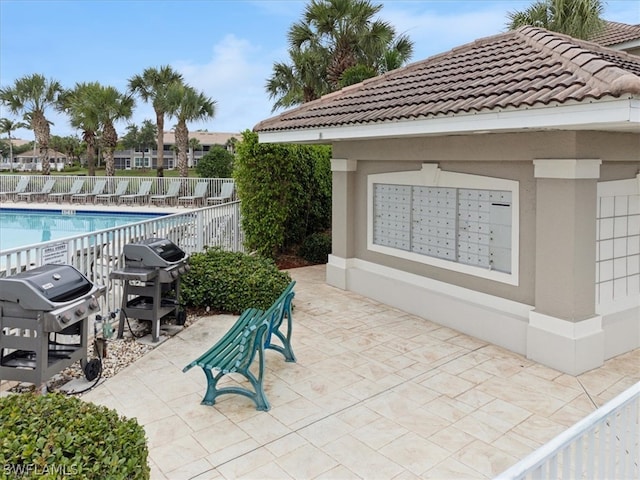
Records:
x=135, y=158
x=494, y=189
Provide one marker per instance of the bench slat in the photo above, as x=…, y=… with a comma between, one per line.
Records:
x=280, y=309
x=231, y=340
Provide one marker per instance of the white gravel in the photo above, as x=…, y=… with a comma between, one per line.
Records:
x=120, y=354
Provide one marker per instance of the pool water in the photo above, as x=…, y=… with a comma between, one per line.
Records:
x=21, y=228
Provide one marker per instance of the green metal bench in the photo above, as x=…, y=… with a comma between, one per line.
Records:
x=235, y=352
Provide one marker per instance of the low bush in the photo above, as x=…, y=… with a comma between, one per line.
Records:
x=72, y=168
x=216, y=163
x=316, y=248
x=56, y=436
x=230, y=282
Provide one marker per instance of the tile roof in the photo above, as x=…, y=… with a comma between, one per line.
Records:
x=616, y=33
x=205, y=138
x=520, y=69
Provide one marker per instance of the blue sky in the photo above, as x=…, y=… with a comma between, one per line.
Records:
x=224, y=48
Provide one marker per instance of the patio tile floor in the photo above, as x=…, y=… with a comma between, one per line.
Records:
x=376, y=394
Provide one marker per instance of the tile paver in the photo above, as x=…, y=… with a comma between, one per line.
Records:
x=376, y=394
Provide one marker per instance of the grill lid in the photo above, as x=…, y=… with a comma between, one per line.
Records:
x=153, y=252
x=45, y=287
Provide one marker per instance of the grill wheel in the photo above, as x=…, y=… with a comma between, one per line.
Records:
x=92, y=369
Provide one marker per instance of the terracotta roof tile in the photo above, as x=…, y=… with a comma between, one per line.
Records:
x=616, y=33
x=522, y=68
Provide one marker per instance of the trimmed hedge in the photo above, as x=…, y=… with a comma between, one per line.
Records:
x=56, y=436
x=285, y=192
x=231, y=282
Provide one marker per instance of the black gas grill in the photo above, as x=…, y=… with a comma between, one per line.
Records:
x=152, y=269
x=44, y=315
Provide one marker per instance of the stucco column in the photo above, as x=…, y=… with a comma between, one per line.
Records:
x=342, y=215
x=564, y=331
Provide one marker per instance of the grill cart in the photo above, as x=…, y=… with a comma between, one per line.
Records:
x=44, y=316
x=152, y=269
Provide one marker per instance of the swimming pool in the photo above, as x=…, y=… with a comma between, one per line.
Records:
x=22, y=227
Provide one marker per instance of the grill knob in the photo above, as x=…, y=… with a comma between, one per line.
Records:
x=80, y=311
x=93, y=305
x=65, y=318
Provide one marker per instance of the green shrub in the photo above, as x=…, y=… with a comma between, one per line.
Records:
x=216, y=163
x=316, y=248
x=55, y=436
x=72, y=168
x=285, y=192
x=230, y=282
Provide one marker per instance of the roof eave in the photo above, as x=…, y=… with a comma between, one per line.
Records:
x=620, y=114
x=626, y=45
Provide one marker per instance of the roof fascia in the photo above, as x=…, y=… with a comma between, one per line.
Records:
x=613, y=113
x=629, y=44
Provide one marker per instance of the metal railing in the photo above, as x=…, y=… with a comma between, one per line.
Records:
x=603, y=445
x=96, y=254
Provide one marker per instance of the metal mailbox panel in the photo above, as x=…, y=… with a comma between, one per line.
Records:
x=465, y=225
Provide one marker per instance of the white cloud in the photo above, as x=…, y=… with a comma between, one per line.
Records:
x=433, y=32
x=234, y=77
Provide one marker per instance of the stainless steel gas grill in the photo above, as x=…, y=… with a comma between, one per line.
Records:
x=44, y=316
x=152, y=269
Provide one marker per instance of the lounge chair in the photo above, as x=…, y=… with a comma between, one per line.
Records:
x=226, y=192
x=98, y=188
x=121, y=189
x=170, y=197
x=199, y=194
x=143, y=193
x=62, y=196
x=46, y=190
x=20, y=188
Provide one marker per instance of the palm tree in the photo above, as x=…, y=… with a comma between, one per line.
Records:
x=114, y=106
x=576, y=18
x=302, y=81
x=194, y=144
x=7, y=126
x=187, y=105
x=152, y=87
x=29, y=97
x=141, y=138
x=82, y=104
x=338, y=43
x=346, y=29
x=70, y=146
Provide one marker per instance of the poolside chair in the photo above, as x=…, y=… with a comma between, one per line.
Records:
x=62, y=196
x=170, y=197
x=20, y=188
x=98, y=188
x=46, y=190
x=143, y=193
x=199, y=193
x=226, y=192
x=121, y=189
